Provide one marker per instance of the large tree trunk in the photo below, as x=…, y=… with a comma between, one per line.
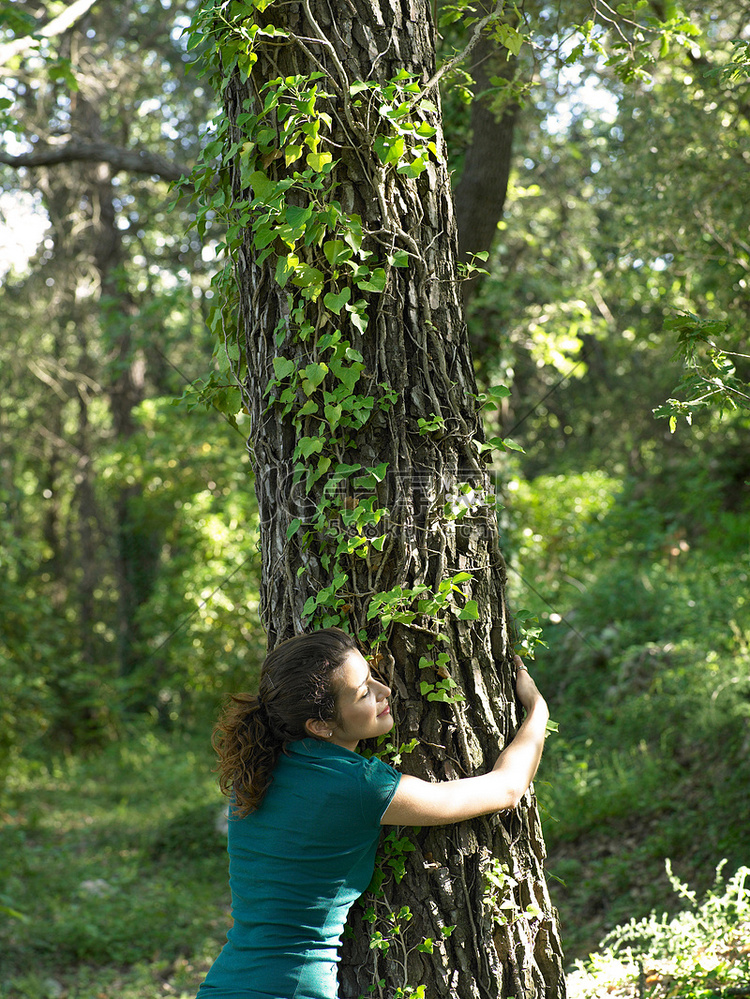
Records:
x=483, y=877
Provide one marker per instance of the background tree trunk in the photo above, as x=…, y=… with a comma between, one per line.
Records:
x=481, y=191
x=483, y=877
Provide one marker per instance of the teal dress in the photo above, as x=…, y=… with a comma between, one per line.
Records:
x=296, y=865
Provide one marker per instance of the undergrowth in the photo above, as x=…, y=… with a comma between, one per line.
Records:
x=648, y=676
x=701, y=953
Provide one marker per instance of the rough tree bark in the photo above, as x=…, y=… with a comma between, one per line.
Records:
x=484, y=877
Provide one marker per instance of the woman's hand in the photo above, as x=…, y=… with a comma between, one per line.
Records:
x=527, y=691
x=423, y=803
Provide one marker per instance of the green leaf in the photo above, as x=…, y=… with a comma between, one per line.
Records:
x=263, y=187
x=294, y=526
x=353, y=235
x=413, y=169
x=285, y=267
x=510, y=38
x=307, y=446
x=333, y=415
x=360, y=320
x=389, y=148
x=350, y=376
x=308, y=278
x=470, y=612
x=283, y=367
x=376, y=281
x=504, y=443
x=308, y=409
x=336, y=302
x=296, y=216
x=336, y=251
x=312, y=376
x=318, y=161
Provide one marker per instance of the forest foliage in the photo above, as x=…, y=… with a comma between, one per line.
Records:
x=128, y=539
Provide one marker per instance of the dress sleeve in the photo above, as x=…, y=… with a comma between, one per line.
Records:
x=377, y=786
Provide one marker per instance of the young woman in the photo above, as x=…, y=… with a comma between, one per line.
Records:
x=307, y=810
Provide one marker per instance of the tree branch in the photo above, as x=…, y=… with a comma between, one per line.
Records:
x=54, y=27
x=76, y=151
x=449, y=66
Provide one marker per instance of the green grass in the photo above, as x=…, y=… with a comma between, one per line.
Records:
x=113, y=873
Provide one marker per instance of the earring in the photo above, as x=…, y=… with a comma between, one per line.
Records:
x=328, y=735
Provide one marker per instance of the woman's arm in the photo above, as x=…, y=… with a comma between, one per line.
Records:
x=421, y=803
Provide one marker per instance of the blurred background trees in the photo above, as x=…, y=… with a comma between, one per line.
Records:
x=122, y=516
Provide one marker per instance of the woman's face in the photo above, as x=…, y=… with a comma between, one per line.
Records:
x=361, y=703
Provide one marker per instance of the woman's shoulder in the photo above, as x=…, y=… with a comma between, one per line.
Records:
x=330, y=757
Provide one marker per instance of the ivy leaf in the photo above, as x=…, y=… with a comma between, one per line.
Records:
x=307, y=446
x=506, y=443
x=350, y=376
x=263, y=187
x=285, y=267
x=426, y=130
x=353, y=235
x=470, y=612
x=376, y=281
x=318, y=161
x=310, y=279
x=308, y=408
x=336, y=251
x=390, y=148
x=412, y=169
x=283, y=367
x=333, y=415
x=264, y=235
x=399, y=259
x=336, y=302
x=296, y=217
x=294, y=526
x=360, y=320
x=312, y=376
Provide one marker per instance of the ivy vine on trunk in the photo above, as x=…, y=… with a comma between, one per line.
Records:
x=341, y=321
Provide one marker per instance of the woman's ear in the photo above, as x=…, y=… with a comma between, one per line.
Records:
x=318, y=728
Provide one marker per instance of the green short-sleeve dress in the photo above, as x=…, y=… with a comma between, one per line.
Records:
x=296, y=865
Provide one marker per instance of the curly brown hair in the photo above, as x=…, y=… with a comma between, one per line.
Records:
x=297, y=682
